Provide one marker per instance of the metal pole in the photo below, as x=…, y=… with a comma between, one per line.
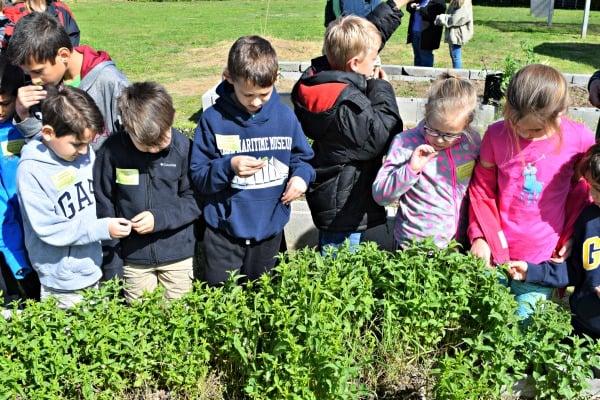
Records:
x=586, y=17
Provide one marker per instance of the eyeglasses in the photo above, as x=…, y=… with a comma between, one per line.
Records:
x=448, y=137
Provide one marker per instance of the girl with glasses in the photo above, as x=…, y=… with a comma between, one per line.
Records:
x=427, y=169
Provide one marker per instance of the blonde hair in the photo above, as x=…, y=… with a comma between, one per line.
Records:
x=450, y=96
x=348, y=37
x=539, y=91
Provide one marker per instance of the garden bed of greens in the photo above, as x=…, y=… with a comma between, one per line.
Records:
x=369, y=325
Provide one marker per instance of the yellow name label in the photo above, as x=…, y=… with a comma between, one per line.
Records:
x=64, y=179
x=228, y=143
x=12, y=147
x=465, y=171
x=127, y=176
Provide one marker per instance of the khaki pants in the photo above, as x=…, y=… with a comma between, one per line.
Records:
x=175, y=277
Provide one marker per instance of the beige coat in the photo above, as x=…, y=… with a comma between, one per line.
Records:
x=458, y=23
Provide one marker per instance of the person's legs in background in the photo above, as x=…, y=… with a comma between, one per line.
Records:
x=456, y=55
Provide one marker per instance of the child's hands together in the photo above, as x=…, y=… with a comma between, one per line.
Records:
x=420, y=157
x=143, y=223
x=245, y=166
x=119, y=228
x=28, y=96
x=517, y=270
x=295, y=188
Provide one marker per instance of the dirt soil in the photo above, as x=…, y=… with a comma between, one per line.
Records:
x=579, y=95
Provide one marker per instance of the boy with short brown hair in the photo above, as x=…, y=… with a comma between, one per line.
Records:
x=56, y=194
x=141, y=174
x=43, y=50
x=249, y=162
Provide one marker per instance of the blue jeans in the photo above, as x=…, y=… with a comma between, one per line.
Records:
x=423, y=58
x=527, y=295
x=456, y=55
x=336, y=240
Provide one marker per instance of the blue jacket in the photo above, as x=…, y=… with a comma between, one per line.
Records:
x=128, y=181
x=248, y=208
x=580, y=270
x=12, y=245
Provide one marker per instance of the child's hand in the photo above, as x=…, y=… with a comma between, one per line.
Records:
x=402, y=3
x=28, y=96
x=119, y=228
x=143, y=223
x=245, y=166
x=597, y=290
x=517, y=270
x=421, y=156
x=295, y=188
x=563, y=253
x=481, y=249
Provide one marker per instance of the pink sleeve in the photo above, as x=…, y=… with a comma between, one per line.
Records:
x=486, y=152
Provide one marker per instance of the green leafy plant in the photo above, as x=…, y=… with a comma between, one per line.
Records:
x=370, y=324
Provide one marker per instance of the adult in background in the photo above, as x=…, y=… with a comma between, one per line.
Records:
x=335, y=8
x=458, y=22
x=594, y=89
x=424, y=35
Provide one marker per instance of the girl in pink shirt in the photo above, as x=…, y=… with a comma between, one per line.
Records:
x=427, y=169
x=524, y=196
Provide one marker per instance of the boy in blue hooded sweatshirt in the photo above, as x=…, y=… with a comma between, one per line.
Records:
x=55, y=189
x=249, y=162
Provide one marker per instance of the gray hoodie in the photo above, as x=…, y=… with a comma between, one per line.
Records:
x=104, y=84
x=62, y=233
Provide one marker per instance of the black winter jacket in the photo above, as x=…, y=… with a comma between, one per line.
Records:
x=431, y=35
x=351, y=121
x=128, y=181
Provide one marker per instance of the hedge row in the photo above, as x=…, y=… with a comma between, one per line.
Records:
x=373, y=324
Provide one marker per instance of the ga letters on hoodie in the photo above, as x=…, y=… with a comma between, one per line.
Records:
x=62, y=232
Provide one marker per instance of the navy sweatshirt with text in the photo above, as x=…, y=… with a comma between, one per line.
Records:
x=248, y=208
x=580, y=270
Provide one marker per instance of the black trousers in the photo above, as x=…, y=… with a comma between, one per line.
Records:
x=27, y=288
x=224, y=254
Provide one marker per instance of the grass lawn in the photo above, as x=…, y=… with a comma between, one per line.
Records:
x=184, y=44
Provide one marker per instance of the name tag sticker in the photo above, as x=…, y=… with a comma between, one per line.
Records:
x=64, y=179
x=12, y=147
x=228, y=143
x=465, y=171
x=128, y=176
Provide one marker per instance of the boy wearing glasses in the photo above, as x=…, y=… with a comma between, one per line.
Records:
x=427, y=169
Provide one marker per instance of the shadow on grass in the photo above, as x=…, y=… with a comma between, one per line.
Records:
x=540, y=27
x=584, y=53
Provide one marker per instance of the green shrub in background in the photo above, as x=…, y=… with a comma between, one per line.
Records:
x=373, y=324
